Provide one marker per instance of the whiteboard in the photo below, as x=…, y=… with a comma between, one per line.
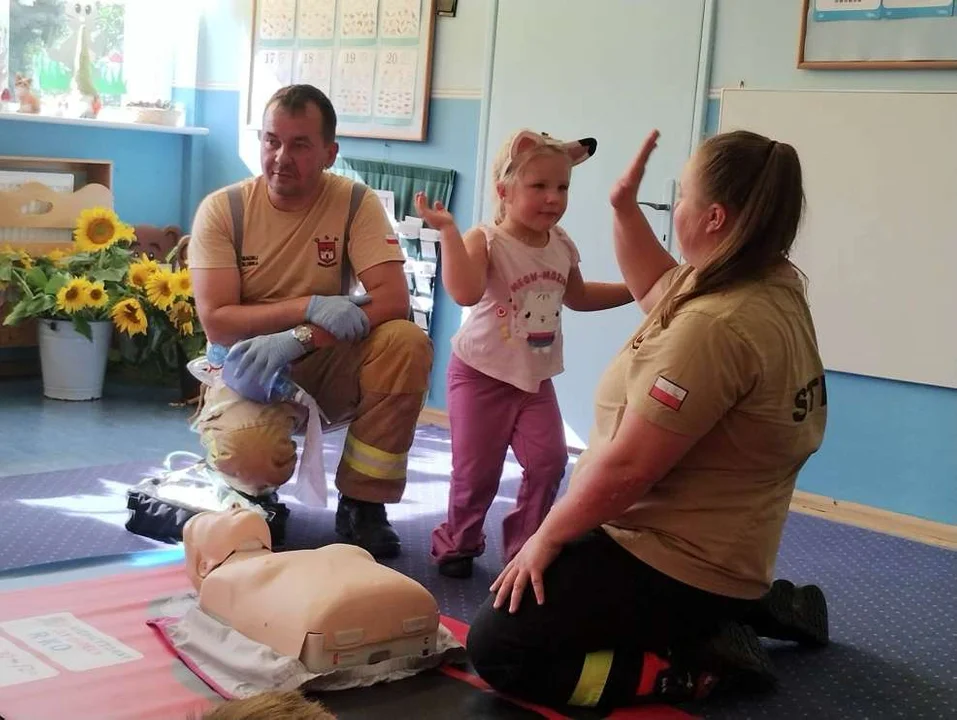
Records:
x=879, y=240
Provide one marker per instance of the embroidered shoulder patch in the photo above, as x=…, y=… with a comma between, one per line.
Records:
x=668, y=393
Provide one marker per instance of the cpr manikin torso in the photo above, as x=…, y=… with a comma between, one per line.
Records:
x=330, y=607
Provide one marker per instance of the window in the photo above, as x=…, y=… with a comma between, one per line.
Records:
x=46, y=35
x=133, y=46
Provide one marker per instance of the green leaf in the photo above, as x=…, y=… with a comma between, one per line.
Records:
x=156, y=337
x=56, y=282
x=169, y=353
x=83, y=327
x=113, y=275
x=27, y=307
x=6, y=273
x=36, y=278
x=16, y=314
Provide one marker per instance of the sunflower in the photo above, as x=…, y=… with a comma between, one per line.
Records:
x=125, y=233
x=181, y=315
x=97, y=229
x=128, y=316
x=73, y=296
x=96, y=295
x=26, y=262
x=159, y=289
x=141, y=271
x=56, y=255
x=182, y=284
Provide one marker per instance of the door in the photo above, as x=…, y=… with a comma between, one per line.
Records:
x=613, y=70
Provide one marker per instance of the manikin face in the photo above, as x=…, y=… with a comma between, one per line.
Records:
x=211, y=537
x=292, y=152
x=537, y=197
x=699, y=225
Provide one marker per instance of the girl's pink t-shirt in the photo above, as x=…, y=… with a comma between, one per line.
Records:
x=514, y=333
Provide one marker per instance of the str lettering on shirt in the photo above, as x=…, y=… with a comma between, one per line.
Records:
x=805, y=398
x=534, y=277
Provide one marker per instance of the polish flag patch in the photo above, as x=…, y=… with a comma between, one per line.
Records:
x=392, y=240
x=667, y=393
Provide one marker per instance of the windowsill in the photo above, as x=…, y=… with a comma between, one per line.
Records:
x=106, y=124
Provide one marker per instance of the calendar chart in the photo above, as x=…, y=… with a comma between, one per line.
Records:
x=372, y=58
x=878, y=35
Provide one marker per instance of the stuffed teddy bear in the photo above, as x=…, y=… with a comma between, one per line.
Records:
x=158, y=243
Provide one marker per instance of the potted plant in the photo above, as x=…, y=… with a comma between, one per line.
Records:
x=80, y=297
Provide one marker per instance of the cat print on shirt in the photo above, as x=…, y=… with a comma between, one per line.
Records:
x=536, y=317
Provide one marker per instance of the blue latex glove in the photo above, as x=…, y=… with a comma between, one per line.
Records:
x=253, y=364
x=340, y=316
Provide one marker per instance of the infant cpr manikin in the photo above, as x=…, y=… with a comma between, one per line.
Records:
x=331, y=607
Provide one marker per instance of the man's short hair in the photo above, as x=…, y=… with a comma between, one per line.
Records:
x=295, y=98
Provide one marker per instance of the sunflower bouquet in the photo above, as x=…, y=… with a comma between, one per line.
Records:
x=101, y=279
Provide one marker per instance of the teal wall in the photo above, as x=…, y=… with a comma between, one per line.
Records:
x=149, y=168
x=890, y=445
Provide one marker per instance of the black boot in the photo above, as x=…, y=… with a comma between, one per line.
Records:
x=795, y=614
x=365, y=524
x=733, y=656
x=459, y=568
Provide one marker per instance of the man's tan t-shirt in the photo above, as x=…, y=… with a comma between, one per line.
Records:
x=292, y=254
x=741, y=370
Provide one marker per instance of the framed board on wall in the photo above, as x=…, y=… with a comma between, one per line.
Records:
x=876, y=241
x=373, y=58
x=877, y=35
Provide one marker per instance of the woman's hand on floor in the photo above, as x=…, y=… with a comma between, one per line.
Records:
x=529, y=564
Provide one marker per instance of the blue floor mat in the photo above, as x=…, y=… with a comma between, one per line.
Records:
x=893, y=602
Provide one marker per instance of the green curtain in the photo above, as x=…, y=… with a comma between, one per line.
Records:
x=403, y=180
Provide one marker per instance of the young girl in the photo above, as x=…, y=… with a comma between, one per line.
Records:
x=517, y=273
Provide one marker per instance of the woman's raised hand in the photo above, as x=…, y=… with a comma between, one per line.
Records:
x=625, y=192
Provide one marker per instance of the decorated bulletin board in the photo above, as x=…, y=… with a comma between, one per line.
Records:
x=373, y=58
x=878, y=34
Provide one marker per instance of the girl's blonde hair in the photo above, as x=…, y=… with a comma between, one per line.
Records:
x=759, y=183
x=289, y=705
x=506, y=168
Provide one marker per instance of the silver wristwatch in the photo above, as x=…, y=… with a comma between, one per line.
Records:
x=303, y=333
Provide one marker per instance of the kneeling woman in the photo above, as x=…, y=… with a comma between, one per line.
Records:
x=651, y=577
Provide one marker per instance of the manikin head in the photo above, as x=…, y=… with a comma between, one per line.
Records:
x=211, y=537
x=531, y=175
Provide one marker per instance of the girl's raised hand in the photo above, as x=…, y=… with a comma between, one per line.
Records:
x=625, y=192
x=436, y=216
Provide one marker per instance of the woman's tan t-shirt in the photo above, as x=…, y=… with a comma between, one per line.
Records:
x=741, y=369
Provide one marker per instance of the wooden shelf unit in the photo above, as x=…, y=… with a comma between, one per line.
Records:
x=18, y=343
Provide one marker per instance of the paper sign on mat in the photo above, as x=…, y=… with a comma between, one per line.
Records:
x=18, y=666
x=70, y=642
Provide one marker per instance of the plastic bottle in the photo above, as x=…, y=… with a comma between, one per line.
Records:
x=216, y=354
x=279, y=389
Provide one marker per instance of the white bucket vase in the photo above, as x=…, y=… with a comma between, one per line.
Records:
x=73, y=367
